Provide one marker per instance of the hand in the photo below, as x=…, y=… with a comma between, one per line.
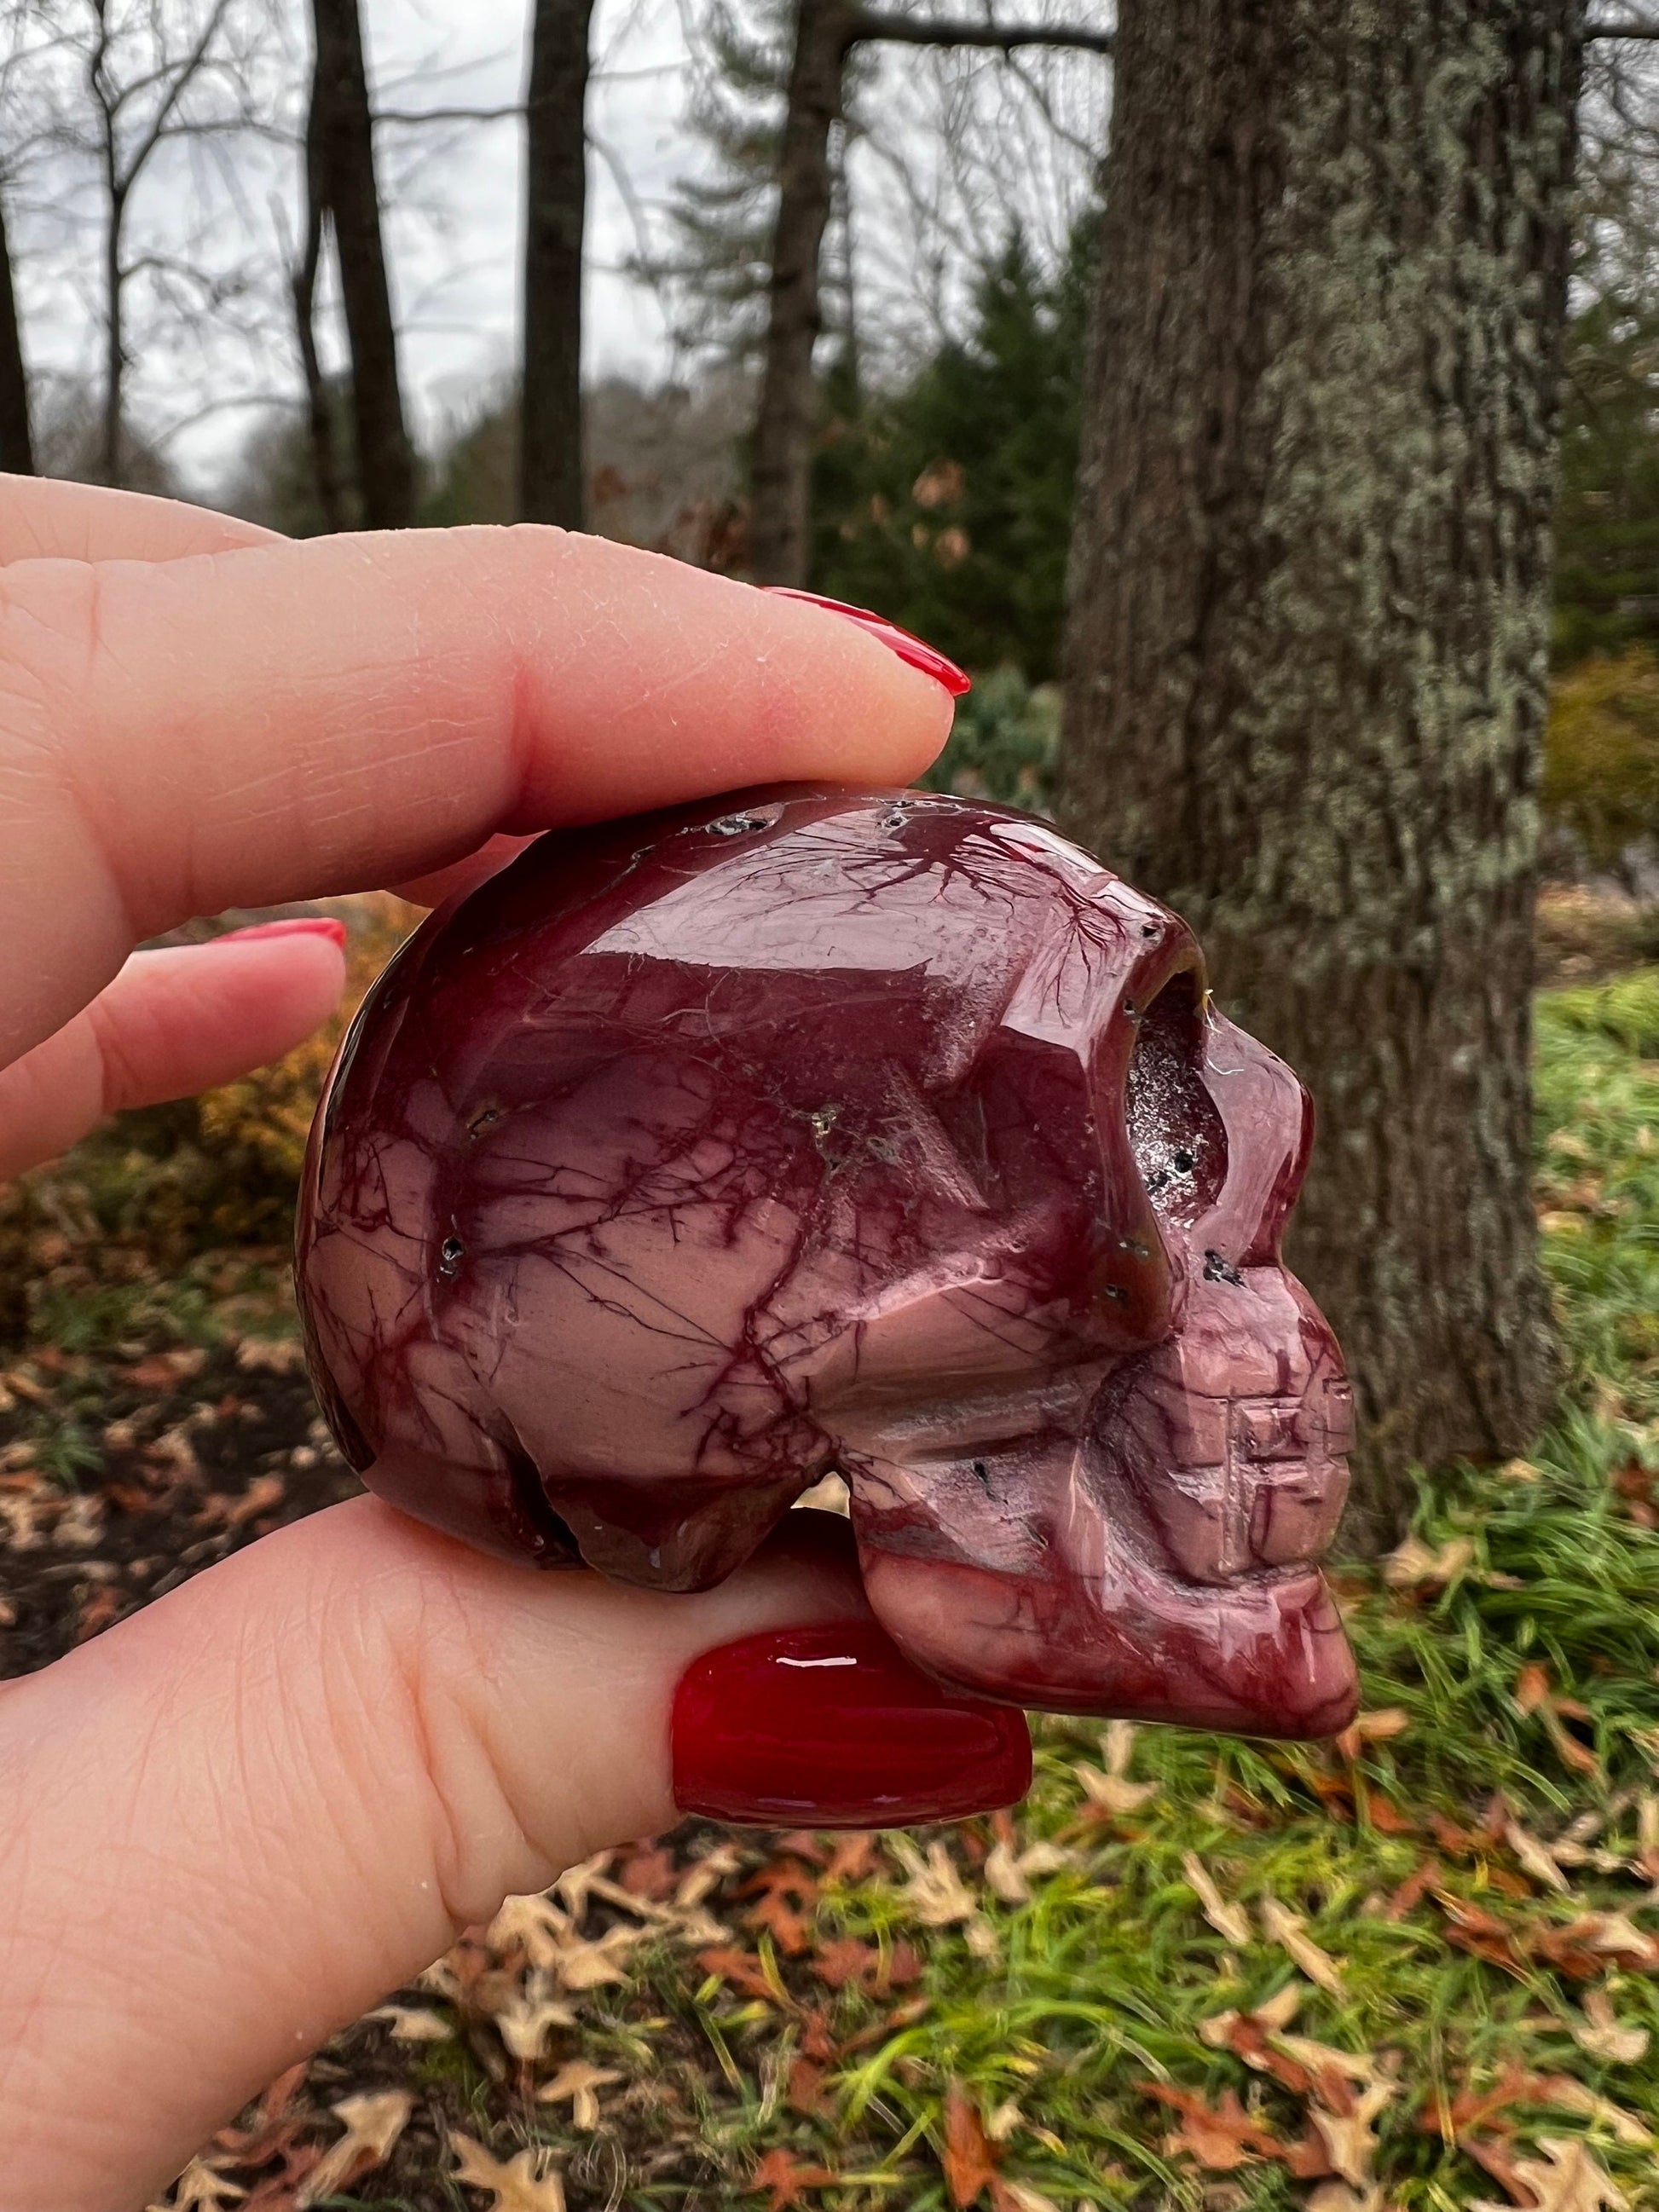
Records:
x=236, y=1819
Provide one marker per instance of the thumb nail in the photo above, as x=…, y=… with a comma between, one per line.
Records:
x=833, y=1727
x=914, y=650
x=298, y=925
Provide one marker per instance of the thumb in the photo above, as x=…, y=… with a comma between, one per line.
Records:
x=239, y=1818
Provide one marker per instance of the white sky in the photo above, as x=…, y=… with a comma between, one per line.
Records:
x=972, y=154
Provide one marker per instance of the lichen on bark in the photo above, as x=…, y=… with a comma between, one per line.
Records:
x=1307, y=646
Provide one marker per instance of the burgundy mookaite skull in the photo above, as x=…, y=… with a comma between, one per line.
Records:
x=697, y=1155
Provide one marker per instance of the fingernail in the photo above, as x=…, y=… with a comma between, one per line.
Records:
x=914, y=650
x=833, y=1727
x=298, y=925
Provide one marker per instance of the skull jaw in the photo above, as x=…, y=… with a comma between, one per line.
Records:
x=1268, y=1659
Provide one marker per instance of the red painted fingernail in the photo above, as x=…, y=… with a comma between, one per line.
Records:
x=833, y=1727
x=297, y=925
x=908, y=648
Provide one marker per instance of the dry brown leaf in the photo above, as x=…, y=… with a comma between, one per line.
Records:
x=535, y=1925
x=1220, y=2136
x=1573, y=2096
x=1020, y=2197
x=199, y=2189
x=1005, y=1877
x=271, y=1355
x=576, y=2083
x=582, y=1965
x=373, y=2125
x=1603, y=2037
x=1413, y=1565
x=784, y=2180
x=937, y=1895
x=1379, y=1727
x=1535, y=1857
x=529, y=2016
x=1229, y=1920
x=967, y=2157
x=1285, y=1929
x=1572, y=2181
x=413, y=2023
x=1337, y=2196
x=523, y=2184
x=1353, y=2065
x=1110, y=1793
x=1349, y=2138
x=700, y=1880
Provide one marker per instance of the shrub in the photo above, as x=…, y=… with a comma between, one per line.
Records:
x=1601, y=756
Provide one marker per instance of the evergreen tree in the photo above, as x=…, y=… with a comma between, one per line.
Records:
x=947, y=502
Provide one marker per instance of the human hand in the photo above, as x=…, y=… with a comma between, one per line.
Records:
x=356, y=1729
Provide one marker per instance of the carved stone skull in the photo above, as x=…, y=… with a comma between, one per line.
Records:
x=699, y=1155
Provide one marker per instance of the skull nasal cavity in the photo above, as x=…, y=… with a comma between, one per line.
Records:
x=1174, y=1129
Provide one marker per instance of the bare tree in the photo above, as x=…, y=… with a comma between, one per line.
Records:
x=319, y=414
x=1311, y=621
x=342, y=168
x=17, y=445
x=825, y=33
x=551, y=486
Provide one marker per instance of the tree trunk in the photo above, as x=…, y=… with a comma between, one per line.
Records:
x=386, y=460
x=16, y=446
x=780, y=510
x=556, y=161
x=1306, y=657
x=319, y=419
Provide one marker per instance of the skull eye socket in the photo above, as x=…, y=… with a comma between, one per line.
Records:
x=1175, y=1131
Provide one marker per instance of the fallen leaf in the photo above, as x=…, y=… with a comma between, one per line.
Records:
x=271, y=1355
x=576, y=2084
x=1005, y=1877
x=1602, y=2036
x=520, y=2185
x=413, y=2023
x=1110, y=1795
x=648, y=1871
x=199, y=2189
x=1413, y=1565
x=1285, y=1929
x=1337, y=2196
x=1379, y=1727
x=274, y=2121
x=373, y=2125
x=743, y=1971
x=1221, y=2137
x=1572, y=2181
x=1349, y=2138
x=582, y=1965
x=1573, y=2096
x=805, y=2093
x=529, y=2014
x=854, y=1858
x=1534, y=1858
x=1229, y=1920
x=967, y=2156
x=936, y=1893
x=1020, y=2197
x=535, y=1925
x=705, y=1876
x=783, y=2180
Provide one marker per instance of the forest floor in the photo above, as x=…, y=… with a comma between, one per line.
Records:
x=1416, y=1968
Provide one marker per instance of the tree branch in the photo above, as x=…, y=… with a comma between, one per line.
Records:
x=865, y=24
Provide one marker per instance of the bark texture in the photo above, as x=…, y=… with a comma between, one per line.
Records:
x=385, y=460
x=16, y=446
x=320, y=420
x=551, y=476
x=1307, y=651
x=780, y=524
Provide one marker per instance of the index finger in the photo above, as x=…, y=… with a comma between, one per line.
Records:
x=289, y=720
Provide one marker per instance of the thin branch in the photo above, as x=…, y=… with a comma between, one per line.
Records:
x=923, y=31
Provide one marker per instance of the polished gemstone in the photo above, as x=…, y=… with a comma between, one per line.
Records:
x=697, y=1155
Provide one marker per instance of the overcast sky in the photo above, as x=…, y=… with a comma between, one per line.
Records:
x=960, y=145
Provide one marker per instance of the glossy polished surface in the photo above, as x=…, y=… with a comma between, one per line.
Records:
x=831, y=1727
x=696, y=1155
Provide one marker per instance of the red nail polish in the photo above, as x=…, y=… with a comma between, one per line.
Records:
x=833, y=1727
x=297, y=925
x=914, y=650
